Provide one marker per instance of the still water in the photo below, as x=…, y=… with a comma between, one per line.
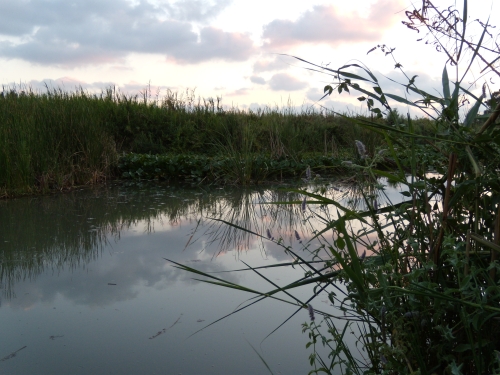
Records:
x=86, y=288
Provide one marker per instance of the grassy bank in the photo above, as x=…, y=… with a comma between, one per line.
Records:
x=58, y=139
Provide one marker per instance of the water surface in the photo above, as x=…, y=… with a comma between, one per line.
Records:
x=86, y=288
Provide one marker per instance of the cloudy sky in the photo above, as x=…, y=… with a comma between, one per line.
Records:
x=222, y=48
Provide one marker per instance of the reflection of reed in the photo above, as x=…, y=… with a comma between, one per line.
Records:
x=256, y=211
x=273, y=213
x=70, y=230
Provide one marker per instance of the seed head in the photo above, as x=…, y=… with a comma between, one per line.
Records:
x=311, y=312
x=297, y=236
x=308, y=173
x=303, y=205
x=361, y=149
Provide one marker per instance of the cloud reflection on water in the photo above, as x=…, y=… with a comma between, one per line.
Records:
x=91, y=264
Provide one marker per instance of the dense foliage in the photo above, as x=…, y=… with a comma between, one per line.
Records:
x=232, y=169
x=58, y=139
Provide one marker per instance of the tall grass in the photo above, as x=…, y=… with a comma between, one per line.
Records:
x=57, y=139
x=52, y=141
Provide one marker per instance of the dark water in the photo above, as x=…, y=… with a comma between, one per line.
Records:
x=86, y=288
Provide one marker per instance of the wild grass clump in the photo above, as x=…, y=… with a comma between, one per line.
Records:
x=52, y=141
x=416, y=280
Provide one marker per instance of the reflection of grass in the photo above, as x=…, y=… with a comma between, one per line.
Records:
x=70, y=230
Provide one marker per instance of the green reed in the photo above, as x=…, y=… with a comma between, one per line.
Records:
x=57, y=139
x=52, y=141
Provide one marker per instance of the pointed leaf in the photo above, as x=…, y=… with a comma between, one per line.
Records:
x=464, y=23
x=471, y=115
x=401, y=100
x=446, y=84
x=479, y=44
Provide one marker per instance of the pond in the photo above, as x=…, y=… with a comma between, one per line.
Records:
x=87, y=289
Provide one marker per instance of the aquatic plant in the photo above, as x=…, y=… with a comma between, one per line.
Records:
x=233, y=168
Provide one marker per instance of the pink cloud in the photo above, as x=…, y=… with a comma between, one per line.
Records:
x=239, y=92
x=323, y=24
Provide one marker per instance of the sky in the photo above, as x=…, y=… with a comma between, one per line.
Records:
x=238, y=50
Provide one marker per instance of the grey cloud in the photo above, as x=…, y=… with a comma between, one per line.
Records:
x=23, y=17
x=323, y=25
x=196, y=10
x=314, y=94
x=258, y=80
x=96, y=32
x=286, y=82
x=215, y=43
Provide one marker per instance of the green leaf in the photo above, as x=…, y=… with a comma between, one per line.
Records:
x=471, y=115
x=473, y=161
x=460, y=348
x=478, y=46
x=464, y=23
x=446, y=84
x=401, y=100
x=455, y=370
x=391, y=177
x=340, y=243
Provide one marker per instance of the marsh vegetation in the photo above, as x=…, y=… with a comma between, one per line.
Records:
x=55, y=140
